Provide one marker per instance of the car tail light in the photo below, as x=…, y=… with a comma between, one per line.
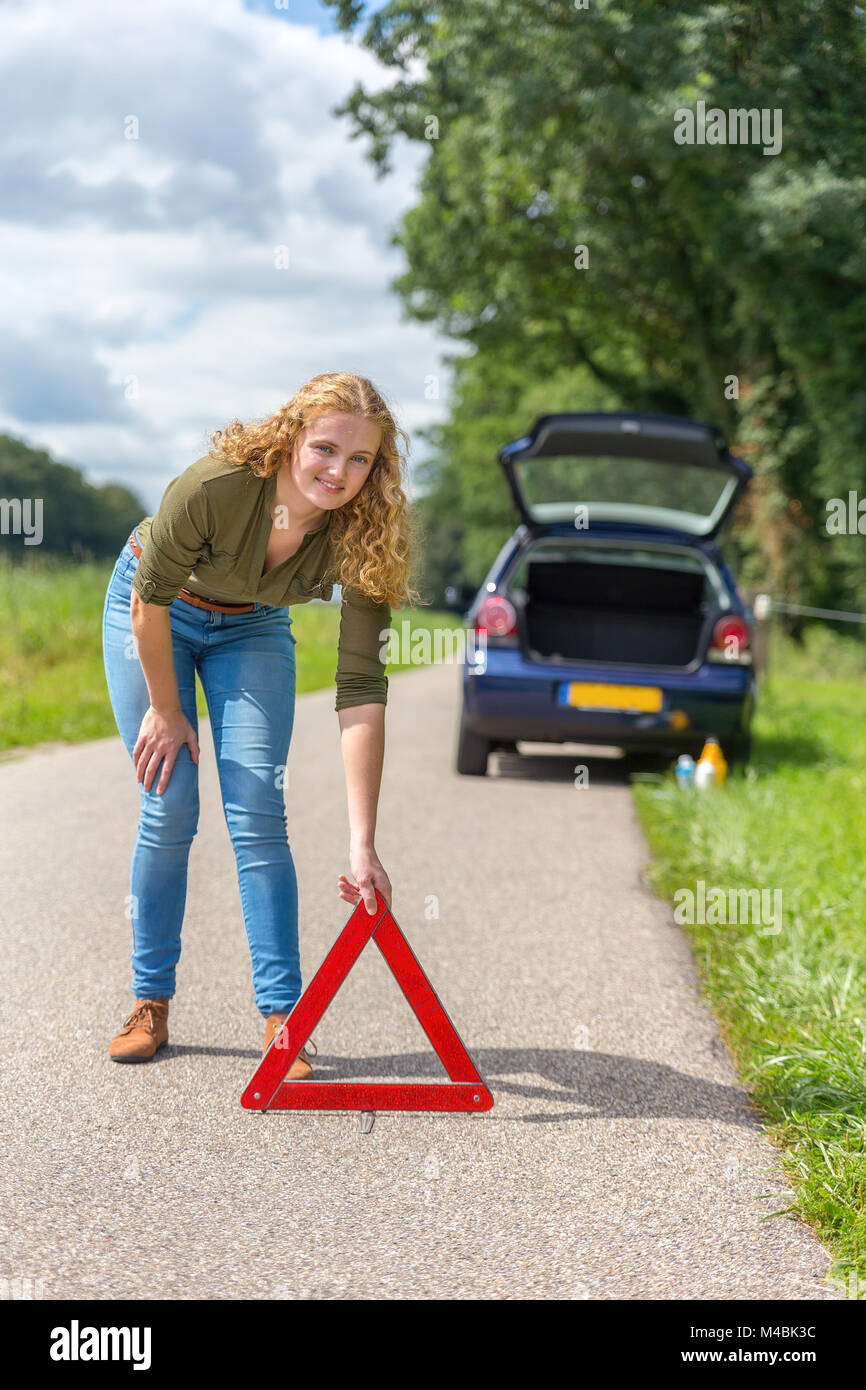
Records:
x=496, y=617
x=730, y=638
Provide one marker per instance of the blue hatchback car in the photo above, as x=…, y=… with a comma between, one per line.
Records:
x=609, y=617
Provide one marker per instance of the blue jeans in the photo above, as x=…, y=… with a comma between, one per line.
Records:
x=246, y=664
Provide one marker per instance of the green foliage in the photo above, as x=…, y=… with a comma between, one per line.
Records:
x=493, y=404
x=550, y=128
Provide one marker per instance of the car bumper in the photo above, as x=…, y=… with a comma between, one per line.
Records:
x=511, y=701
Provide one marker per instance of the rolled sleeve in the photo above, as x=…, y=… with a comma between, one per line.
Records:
x=360, y=674
x=178, y=533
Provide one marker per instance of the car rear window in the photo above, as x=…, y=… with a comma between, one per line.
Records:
x=553, y=485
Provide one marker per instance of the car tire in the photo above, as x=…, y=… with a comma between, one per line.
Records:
x=472, y=752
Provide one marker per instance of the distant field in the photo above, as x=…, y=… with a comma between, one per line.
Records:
x=52, y=679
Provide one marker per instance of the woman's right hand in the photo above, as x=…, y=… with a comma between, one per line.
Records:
x=160, y=739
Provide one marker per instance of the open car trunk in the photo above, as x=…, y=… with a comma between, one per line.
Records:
x=614, y=610
x=660, y=471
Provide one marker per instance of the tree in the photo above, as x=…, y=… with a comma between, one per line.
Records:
x=78, y=520
x=717, y=281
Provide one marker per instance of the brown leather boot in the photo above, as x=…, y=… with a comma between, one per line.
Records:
x=300, y=1070
x=143, y=1033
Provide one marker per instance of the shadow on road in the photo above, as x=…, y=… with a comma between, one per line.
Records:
x=602, y=1084
x=558, y=767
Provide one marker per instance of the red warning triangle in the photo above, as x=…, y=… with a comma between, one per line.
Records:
x=269, y=1091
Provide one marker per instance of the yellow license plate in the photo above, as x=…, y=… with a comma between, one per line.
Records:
x=590, y=695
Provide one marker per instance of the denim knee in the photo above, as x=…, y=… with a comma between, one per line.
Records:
x=173, y=813
x=263, y=821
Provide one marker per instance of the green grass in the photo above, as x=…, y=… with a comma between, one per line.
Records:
x=52, y=678
x=792, y=1006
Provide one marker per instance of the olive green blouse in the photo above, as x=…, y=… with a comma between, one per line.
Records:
x=210, y=535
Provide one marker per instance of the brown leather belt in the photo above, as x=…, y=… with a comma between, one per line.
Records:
x=189, y=597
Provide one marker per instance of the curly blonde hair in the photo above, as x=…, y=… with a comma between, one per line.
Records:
x=371, y=536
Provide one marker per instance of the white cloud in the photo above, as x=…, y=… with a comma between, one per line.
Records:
x=151, y=261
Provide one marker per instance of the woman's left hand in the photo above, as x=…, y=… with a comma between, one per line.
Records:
x=367, y=870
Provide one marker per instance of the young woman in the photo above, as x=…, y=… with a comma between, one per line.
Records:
x=276, y=514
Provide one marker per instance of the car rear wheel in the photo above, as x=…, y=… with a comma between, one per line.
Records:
x=472, y=752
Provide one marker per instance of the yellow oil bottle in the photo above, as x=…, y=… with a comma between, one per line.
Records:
x=713, y=753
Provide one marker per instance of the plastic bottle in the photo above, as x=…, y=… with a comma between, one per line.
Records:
x=705, y=774
x=713, y=752
x=685, y=772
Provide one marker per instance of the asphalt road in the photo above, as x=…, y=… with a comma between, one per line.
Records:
x=620, y=1160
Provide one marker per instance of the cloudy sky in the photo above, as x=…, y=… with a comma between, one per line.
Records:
x=142, y=303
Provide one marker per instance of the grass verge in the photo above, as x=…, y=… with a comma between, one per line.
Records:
x=792, y=1003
